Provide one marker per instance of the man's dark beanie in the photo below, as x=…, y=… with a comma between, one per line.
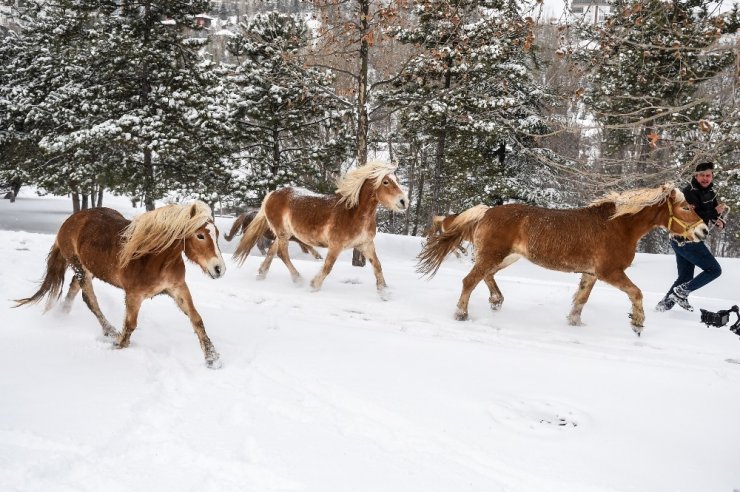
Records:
x=704, y=166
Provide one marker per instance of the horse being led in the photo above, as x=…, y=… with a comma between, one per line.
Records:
x=598, y=241
x=143, y=257
x=440, y=224
x=263, y=243
x=340, y=221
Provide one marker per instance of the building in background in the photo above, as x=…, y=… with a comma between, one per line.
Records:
x=590, y=11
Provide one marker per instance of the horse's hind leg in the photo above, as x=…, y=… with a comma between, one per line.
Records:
x=469, y=282
x=88, y=295
x=581, y=297
x=619, y=279
x=265, y=266
x=331, y=257
x=74, y=289
x=181, y=295
x=496, y=298
x=307, y=249
x=282, y=253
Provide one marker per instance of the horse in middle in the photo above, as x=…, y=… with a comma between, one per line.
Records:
x=343, y=220
x=598, y=241
x=263, y=243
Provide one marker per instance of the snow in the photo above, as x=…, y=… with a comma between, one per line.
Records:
x=338, y=390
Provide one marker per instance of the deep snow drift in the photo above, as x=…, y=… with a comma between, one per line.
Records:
x=339, y=391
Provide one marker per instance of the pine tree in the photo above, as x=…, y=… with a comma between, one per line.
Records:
x=471, y=89
x=290, y=122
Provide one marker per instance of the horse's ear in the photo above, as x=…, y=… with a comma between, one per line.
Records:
x=193, y=210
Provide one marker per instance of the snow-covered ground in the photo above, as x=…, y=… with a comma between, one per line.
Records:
x=339, y=391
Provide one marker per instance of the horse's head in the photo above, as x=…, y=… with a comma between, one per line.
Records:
x=391, y=195
x=682, y=219
x=201, y=248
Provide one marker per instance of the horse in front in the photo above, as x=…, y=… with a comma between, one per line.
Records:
x=343, y=220
x=143, y=257
x=598, y=241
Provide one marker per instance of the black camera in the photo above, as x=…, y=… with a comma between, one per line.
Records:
x=721, y=318
x=718, y=319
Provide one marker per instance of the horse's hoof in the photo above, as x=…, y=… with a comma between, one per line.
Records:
x=637, y=329
x=574, y=321
x=261, y=276
x=214, y=363
x=385, y=294
x=461, y=316
x=495, y=306
x=297, y=279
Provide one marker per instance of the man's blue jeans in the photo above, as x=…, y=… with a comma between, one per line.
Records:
x=692, y=254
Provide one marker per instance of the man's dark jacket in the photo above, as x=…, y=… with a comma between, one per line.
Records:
x=704, y=200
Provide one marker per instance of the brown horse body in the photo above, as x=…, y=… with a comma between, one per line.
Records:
x=263, y=243
x=440, y=224
x=598, y=241
x=142, y=257
x=340, y=221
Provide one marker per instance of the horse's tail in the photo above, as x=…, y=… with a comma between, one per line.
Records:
x=51, y=285
x=434, y=227
x=439, y=246
x=235, y=227
x=256, y=229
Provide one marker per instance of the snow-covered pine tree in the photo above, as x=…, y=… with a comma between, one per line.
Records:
x=472, y=90
x=291, y=126
x=118, y=90
x=646, y=65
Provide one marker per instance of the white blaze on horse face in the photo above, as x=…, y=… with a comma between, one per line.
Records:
x=215, y=266
x=401, y=200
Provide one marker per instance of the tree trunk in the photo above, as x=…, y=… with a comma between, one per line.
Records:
x=419, y=194
x=85, y=201
x=439, y=155
x=362, y=89
x=75, y=202
x=412, y=180
x=275, y=152
x=100, y=196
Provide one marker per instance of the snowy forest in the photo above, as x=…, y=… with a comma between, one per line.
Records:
x=477, y=101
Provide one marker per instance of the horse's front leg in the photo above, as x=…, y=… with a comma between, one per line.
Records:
x=581, y=297
x=331, y=258
x=368, y=249
x=181, y=295
x=619, y=279
x=496, y=298
x=133, y=304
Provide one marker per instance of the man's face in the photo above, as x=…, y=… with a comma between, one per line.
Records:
x=704, y=178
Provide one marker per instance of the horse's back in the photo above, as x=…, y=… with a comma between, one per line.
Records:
x=93, y=237
x=559, y=239
x=299, y=212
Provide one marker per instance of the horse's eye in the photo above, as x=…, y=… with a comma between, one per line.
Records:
x=200, y=236
x=385, y=182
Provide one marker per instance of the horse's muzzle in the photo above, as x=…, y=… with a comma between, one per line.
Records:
x=402, y=203
x=701, y=232
x=216, y=269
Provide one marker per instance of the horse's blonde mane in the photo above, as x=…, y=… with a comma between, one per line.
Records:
x=153, y=232
x=349, y=186
x=632, y=201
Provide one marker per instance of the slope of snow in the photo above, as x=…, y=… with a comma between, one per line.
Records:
x=339, y=391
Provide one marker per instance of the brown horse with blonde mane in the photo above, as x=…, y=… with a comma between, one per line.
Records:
x=263, y=244
x=598, y=241
x=340, y=221
x=143, y=257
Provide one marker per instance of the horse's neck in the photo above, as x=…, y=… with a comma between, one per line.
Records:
x=364, y=212
x=640, y=223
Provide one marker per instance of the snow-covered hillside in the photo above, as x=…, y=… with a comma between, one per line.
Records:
x=339, y=391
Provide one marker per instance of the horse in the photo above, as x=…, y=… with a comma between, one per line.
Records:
x=263, y=243
x=440, y=224
x=345, y=219
x=599, y=241
x=143, y=257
